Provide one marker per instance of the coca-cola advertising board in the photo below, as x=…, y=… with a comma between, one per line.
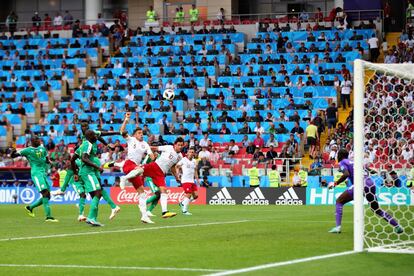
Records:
x=175, y=195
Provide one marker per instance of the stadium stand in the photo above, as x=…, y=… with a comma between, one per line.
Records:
x=226, y=88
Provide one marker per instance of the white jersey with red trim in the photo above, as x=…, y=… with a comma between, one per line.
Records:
x=168, y=158
x=188, y=168
x=137, y=149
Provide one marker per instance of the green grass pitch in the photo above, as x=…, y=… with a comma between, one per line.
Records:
x=251, y=236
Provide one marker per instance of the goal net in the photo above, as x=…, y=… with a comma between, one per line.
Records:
x=383, y=157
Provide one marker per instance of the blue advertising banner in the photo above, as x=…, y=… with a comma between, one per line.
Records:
x=27, y=195
x=386, y=196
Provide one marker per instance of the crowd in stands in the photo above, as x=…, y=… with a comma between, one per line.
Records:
x=403, y=52
x=271, y=99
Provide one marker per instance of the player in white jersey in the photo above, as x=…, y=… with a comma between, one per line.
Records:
x=137, y=149
x=189, y=175
x=170, y=156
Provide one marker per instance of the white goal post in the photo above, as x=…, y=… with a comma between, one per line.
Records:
x=374, y=233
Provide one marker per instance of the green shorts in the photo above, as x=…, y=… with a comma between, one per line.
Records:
x=98, y=175
x=91, y=182
x=40, y=181
x=154, y=188
x=78, y=186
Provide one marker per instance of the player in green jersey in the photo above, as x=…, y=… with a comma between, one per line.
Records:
x=87, y=174
x=38, y=160
x=99, y=134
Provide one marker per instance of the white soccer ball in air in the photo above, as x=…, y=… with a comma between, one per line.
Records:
x=168, y=94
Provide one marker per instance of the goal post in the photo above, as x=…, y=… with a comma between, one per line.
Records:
x=359, y=91
x=380, y=117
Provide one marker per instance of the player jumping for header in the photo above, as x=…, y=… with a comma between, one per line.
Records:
x=137, y=149
x=38, y=160
x=170, y=156
x=347, y=168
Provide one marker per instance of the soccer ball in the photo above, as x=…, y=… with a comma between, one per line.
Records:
x=168, y=94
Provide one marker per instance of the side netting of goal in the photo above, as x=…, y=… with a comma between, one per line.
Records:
x=383, y=157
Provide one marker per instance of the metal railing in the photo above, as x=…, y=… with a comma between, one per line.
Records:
x=283, y=17
x=48, y=25
x=290, y=17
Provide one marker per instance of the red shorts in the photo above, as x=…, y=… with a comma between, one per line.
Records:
x=154, y=171
x=137, y=181
x=189, y=187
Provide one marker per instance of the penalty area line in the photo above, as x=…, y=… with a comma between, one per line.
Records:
x=123, y=230
x=110, y=267
x=278, y=264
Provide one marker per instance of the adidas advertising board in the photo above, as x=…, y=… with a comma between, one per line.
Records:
x=290, y=197
x=256, y=196
x=222, y=197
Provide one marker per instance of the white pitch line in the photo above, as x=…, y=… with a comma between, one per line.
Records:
x=112, y=267
x=271, y=265
x=122, y=231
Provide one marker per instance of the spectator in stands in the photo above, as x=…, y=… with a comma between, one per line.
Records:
x=269, y=117
x=373, y=44
x=57, y=20
x=204, y=166
x=259, y=128
x=11, y=22
x=395, y=181
x=36, y=20
x=204, y=154
x=67, y=18
x=272, y=141
x=47, y=20
x=331, y=117
x=129, y=97
x=233, y=148
x=271, y=154
x=205, y=141
x=390, y=57
x=258, y=155
x=311, y=135
x=50, y=145
x=245, y=106
x=221, y=15
x=224, y=129
x=258, y=140
x=346, y=87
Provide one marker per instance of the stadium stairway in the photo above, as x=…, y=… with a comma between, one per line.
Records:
x=343, y=115
x=392, y=39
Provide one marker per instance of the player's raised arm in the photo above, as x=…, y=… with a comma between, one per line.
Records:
x=122, y=131
x=108, y=133
x=86, y=159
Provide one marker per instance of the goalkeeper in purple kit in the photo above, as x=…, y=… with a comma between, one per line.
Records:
x=347, y=168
